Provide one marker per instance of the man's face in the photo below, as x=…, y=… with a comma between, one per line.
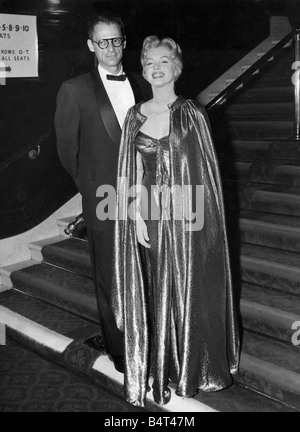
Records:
x=109, y=58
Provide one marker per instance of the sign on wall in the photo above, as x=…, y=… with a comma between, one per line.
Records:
x=18, y=46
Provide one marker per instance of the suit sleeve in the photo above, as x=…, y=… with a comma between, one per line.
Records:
x=67, y=126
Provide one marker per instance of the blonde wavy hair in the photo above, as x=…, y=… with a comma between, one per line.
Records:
x=173, y=47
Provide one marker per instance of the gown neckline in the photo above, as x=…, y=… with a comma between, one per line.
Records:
x=154, y=139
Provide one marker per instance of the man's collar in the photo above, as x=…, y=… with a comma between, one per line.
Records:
x=103, y=72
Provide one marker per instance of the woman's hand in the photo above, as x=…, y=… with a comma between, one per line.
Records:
x=142, y=232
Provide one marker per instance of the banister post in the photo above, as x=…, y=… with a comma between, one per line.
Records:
x=296, y=135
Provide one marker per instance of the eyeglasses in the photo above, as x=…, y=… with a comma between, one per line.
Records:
x=103, y=43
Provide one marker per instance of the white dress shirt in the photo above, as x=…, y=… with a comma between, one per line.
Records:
x=120, y=94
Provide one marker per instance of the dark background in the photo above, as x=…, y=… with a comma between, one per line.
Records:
x=213, y=34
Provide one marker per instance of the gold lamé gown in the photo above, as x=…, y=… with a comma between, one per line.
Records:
x=173, y=302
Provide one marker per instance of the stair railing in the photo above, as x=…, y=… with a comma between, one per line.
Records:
x=32, y=150
x=296, y=82
x=243, y=79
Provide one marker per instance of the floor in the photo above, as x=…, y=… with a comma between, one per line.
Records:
x=29, y=383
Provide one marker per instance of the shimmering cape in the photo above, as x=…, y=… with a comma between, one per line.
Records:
x=195, y=333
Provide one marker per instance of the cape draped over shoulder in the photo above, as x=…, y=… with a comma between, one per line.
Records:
x=196, y=333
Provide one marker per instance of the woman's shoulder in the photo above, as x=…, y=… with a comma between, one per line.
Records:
x=191, y=104
x=196, y=105
x=135, y=109
x=134, y=112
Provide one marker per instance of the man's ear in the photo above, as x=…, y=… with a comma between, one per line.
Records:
x=125, y=44
x=90, y=45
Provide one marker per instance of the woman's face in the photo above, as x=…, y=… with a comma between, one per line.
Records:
x=159, y=68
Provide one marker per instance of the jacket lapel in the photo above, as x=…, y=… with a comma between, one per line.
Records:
x=106, y=110
x=136, y=88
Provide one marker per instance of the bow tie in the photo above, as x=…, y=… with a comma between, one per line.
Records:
x=116, y=77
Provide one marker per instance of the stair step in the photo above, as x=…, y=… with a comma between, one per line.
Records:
x=281, y=111
x=289, y=173
x=276, y=231
x=271, y=268
x=36, y=247
x=272, y=79
x=272, y=368
x=266, y=94
x=61, y=338
x=250, y=149
x=262, y=129
x=278, y=200
x=30, y=383
x=270, y=312
x=261, y=171
x=59, y=287
x=71, y=254
x=235, y=170
x=84, y=360
x=264, y=149
x=5, y=272
x=55, y=319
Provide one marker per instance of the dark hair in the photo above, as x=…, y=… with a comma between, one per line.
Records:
x=104, y=17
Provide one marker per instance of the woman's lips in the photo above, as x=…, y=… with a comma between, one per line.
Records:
x=158, y=75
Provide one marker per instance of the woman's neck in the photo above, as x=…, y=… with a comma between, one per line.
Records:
x=163, y=97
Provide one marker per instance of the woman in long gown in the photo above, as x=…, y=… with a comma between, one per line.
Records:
x=172, y=293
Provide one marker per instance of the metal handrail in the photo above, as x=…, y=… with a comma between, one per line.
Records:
x=35, y=146
x=248, y=74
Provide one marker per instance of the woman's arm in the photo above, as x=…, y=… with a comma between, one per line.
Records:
x=141, y=227
x=139, y=178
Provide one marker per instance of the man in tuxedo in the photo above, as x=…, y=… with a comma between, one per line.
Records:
x=90, y=113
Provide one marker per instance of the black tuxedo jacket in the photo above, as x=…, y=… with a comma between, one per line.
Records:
x=88, y=136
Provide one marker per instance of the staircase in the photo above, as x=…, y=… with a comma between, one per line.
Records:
x=261, y=175
x=48, y=303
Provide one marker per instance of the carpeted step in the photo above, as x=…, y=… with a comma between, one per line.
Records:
x=260, y=129
x=272, y=368
x=258, y=111
x=269, y=312
x=235, y=170
x=261, y=171
x=71, y=254
x=79, y=357
x=278, y=79
x=45, y=314
x=248, y=149
x=276, y=231
x=32, y=384
x=63, y=339
x=266, y=94
x=264, y=149
x=271, y=268
x=279, y=200
x=288, y=173
x=59, y=287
